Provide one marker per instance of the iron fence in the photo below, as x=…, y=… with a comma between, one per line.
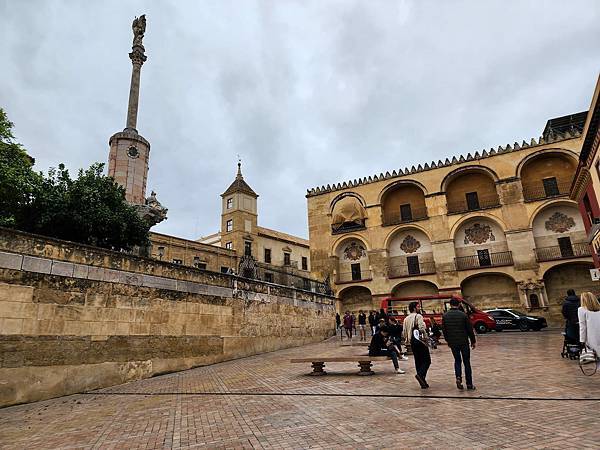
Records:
x=537, y=190
x=577, y=250
x=484, y=260
x=483, y=202
x=345, y=277
x=409, y=270
x=283, y=276
x=395, y=217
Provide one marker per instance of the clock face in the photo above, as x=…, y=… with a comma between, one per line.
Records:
x=133, y=152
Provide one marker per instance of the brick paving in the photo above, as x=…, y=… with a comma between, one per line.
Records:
x=266, y=402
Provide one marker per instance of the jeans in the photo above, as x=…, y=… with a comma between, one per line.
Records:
x=462, y=352
x=422, y=357
x=392, y=354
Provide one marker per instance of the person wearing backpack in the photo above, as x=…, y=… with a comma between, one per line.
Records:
x=458, y=331
x=414, y=331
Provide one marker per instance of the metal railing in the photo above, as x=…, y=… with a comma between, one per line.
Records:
x=410, y=270
x=537, y=190
x=484, y=202
x=577, y=250
x=476, y=261
x=347, y=277
x=346, y=227
x=284, y=276
x=395, y=217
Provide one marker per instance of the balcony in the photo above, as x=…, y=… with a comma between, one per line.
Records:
x=347, y=227
x=410, y=270
x=356, y=276
x=576, y=250
x=397, y=217
x=483, y=202
x=539, y=190
x=484, y=259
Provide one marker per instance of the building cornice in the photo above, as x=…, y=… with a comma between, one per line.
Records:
x=557, y=137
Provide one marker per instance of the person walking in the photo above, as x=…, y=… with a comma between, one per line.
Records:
x=569, y=312
x=589, y=321
x=381, y=346
x=458, y=331
x=348, y=324
x=414, y=332
x=338, y=321
x=362, y=325
x=372, y=322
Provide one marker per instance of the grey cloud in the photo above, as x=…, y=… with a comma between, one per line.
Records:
x=308, y=93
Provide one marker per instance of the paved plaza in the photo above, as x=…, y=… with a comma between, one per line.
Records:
x=526, y=397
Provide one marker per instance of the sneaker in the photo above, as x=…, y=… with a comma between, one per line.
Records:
x=459, y=384
x=403, y=358
x=400, y=371
x=471, y=388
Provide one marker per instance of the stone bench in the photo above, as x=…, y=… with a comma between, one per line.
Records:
x=318, y=362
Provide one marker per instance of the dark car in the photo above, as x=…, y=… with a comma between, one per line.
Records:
x=512, y=319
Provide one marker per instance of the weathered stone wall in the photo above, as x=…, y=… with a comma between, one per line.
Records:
x=74, y=318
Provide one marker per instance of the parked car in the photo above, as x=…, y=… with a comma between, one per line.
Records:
x=512, y=319
x=434, y=306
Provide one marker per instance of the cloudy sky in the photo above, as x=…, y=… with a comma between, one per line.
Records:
x=307, y=92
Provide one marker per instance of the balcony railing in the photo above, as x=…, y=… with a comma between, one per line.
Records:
x=395, y=218
x=348, y=277
x=537, y=190
x=577, y=250
x=483, y=202
x=346, y=227
x=484, y=260
x=411, y=270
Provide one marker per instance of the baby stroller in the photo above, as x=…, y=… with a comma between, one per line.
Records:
x=570, y=349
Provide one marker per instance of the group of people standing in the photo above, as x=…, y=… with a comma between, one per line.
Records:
x=389, y=336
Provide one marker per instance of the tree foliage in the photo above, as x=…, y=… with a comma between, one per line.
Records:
x=90, y=209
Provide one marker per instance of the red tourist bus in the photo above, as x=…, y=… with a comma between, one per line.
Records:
x=434, y=306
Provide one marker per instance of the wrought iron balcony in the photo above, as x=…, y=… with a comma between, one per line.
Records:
x=484, y=260
x=537, y=190
x=577, y=250
x=483, y=202
x=349, y=277
x=395, y=218
x=346, y=227
x=410, y=270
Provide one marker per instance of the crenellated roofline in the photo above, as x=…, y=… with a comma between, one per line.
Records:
x=552, y=138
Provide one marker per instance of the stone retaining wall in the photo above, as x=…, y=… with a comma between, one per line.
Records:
x=74, y=318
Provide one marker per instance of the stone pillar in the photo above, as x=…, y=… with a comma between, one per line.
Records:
x=138, y=58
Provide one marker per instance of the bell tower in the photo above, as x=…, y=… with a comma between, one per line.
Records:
x=239, y=217
x=129, y=151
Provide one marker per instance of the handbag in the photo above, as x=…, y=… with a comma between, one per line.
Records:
x=588, y=361
x=587, y=356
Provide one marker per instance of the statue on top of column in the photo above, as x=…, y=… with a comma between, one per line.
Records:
x=139, y=28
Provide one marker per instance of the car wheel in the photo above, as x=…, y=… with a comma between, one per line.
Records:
x=481, y=328
x=523, y=325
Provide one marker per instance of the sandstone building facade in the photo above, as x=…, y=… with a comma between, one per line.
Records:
x=497, y=227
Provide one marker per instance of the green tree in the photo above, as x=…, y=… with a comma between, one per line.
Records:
x=90, y=209
x=17, y=178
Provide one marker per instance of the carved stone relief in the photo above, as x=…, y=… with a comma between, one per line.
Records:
x=354, y=252
x=478, y=234
x=559, y=223
x=410, y=244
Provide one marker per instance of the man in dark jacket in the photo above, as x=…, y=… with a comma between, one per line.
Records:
x=569, y=312
x=372, y=321
x=381, y=346
x=458, y=331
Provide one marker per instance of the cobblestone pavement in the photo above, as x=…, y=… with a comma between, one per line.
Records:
x=526, y=397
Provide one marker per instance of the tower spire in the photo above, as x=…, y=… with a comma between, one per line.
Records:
x=138, y=58
x=239, y=175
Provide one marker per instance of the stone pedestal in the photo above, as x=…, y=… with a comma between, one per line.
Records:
x=128, y=164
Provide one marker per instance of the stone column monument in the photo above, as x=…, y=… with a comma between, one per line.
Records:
x=129, y=151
